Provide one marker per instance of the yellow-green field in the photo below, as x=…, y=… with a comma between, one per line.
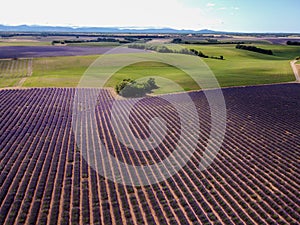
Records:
x=155, y=69
x=64, y=71
x=240, y=67
x=13, y=70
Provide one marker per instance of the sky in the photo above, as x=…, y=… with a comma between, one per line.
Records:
x=220, y=15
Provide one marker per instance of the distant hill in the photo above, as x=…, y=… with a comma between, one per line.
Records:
x=36, y=28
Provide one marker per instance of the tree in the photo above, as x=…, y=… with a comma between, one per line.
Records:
x=119, y=87
x=130, y=88
x=150, y=85
x=177, y=40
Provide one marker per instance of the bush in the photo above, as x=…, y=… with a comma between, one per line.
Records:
x=130, y=88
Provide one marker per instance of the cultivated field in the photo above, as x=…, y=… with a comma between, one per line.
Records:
x=13, y=71
x=242, y=67
x=253, y=180
x=239, y=68
x=48, y=51
x=58, y=71
x=148, y=69
x=62, y=66
x=22, y=42
x=15, y=68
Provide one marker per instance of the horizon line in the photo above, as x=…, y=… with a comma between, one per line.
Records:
x=138, y=28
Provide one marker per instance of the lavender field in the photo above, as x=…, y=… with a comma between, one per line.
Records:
x=253, y=180
x=49, y=51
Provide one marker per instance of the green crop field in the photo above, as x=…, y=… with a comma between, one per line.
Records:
x=64, y=71
x=240, y=67
x=12, y=71
x=9, y=82
x=155, y=69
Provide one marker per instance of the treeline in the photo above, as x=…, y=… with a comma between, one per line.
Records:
x=202, y=55
x=293, y=42
x=208, y=42
x=164, y=49
x=254, y=49
x=161, y=49
x=91, y=40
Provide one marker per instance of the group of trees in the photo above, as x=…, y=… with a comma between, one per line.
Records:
x=157, y=48
x=164, y=49
x=254, y=49
x=201, y=54
x=198, y=53
x=293, y=42
x=177, y=41
x=131, y=88
x=91, y=40
x=205, y=42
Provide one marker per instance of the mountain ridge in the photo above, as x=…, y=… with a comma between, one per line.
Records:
x=41, y=28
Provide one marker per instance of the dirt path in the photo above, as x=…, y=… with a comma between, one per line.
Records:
x=21, y=82
x=159, y=41
x=295, y=69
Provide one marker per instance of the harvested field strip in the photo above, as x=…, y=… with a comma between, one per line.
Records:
x=14, y=68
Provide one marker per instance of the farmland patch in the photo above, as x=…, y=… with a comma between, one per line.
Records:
x=253, y=180
x=14, y=68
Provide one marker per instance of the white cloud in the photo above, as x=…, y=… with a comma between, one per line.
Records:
x=210, y=4
x=141, y=13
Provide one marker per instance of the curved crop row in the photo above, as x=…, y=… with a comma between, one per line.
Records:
x=44, y=178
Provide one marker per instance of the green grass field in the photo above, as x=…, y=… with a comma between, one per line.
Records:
x=240, y=67
x=9, y=82
x=12, y=71
x=155, y=69
x=64, y=71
